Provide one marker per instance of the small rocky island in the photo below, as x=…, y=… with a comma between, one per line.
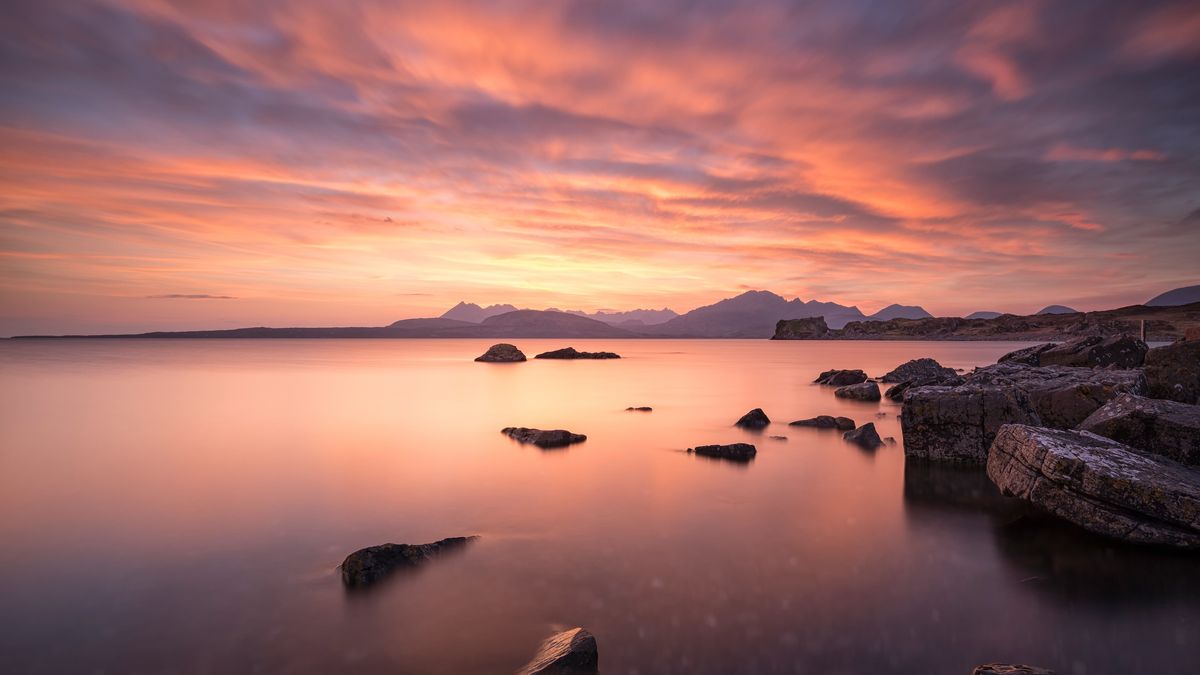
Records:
x=369, y=565
x=502, y=353
x=569, y=353
x=543, y=438
x=737, y=452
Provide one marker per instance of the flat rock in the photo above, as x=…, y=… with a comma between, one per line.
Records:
x=1151, y=425
x=1092, y=351
x=502, y=353
x=544, y=438
x=1173, y=372
x=864, y=436
x=864, y=391
x=825, y=422
x=755, y=419
x=958, y=424
x=1099, y=484
x=738, y=452
x=369, y=565
x=640, y=408
x=841, y=378
x=1010, y=669
x=1028, y=356
x=943, y=379
x=572, y=353
x=917, y=369
x=571, y=651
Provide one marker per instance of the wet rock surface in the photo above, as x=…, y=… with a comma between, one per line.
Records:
x=502, y=353
x=755, y=419
x=1155, y=426
x=372, y=564
x=841, y=378
x=738, y=452
x=825, y=422
x=572, y=353
x=896, y=392
x=865, y=391
x=1173, y=372
x=571, y=651
x=1099, y=484
x=917, y=369
x=864, y=436
x=543, y=438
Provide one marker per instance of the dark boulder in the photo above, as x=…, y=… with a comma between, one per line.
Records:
x=571, y=651
x=543, y=438
x=640, y=408
x=1029, y=356
x=1091, y=351
x=917, y=369
x=502, y=353
x=1173, y=372
x=738, y=452
x=864, y=391
x=572, y=353
x=841, y=378
x=864, y=436
x=1099, y=484
x=755, y=419
x=1155, y=426
x=1009, y=669
x=812, y=328
x=896, y=392
x=369, y=565
x=825, y=422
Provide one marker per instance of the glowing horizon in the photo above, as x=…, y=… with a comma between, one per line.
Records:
x=208, y=164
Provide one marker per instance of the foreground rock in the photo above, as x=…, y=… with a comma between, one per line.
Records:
x=943, y=379
x=551, y=438
x=1099, y=484
x=572, y=353
x=958, y=424
x=571, y=651
x=755, y=419
x=865, y=391
x=1173, y=372
x=841, y=378
x=864, y=436
x=369, y=565
x=1158, y=427
x=1009, y=669
x=502, y=353
x=825, y=422
x=917, y=369
x=738, y=452
x=1093, y=351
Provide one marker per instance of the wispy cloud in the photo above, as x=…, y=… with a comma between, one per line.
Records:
x=190, y=296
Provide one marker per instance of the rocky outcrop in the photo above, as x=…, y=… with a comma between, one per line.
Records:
x=801, y=329
x=543, y=438
x=1093, y=351
x=864, y=436
x=640, y=408
x=572, y=353
x=841, y=378
x=825, y=422
x=864, y=391
x=502, y=353
x=755, y=419
x=1029, y=356
x=1009, y=669
x=917, y=369
x=1173, y=372
x=1158, y=427
x=1099, y=484
x=958, y=424
x=369, y=565
x=571, y=651
x=896, y=391
x=738, y=452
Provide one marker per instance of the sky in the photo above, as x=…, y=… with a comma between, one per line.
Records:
x=216, y=163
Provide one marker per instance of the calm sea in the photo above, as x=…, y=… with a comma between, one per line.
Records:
x=180, y=506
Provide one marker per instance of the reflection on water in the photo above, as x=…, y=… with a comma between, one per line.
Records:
x=182, y=506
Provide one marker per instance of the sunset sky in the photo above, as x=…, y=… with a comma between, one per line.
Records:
x=218, y=163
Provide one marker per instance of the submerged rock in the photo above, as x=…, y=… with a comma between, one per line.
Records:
x=738, y=452
x=864, y=436
x=572, y=353
x=825, y=422
x=552, y=438
x=1009, y=669
x=841, y=378
x=1092, y=351
x=1173, y=372
x=1099, y=484
x=502, y=353
x=865, y=391
x=571, y=651
x=1158, y=427
x=917, y=369
x=755, y=419
x=369, y=565
x=640, y=408
x=777, y=438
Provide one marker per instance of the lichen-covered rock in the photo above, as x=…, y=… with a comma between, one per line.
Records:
x=1159, y=427
x=825, y=422
x=841, y=378
x=571, y=651
x=1091, y=351
x=864, y=436
x=738, y=452
x=543, y=438
x=572, y=353
x=369, y=565
x=958, y=424
x=755, y=419
x=1009, y=669
x=864, y=391
x=917, y=369
x=1173, y=372
x=811, y=328
x=1099, y=484
x=502, y=353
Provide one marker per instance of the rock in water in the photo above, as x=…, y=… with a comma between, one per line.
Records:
x=1158, y=427
x=1093, y=351
x=552, y=438
x=755, y=419
x=571, y=651
x=640, y=408
x=917, y=369
x=738, y=452
x=571, y=353
x=1099, y=484
x=865, y=391
x=369, y=565
x=812, y=328
x=1009, y=669
x=841, y=378
x=864, y=436
x=502, y=353
x=958, y=424
x=1173, y=372
x=825, y=422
